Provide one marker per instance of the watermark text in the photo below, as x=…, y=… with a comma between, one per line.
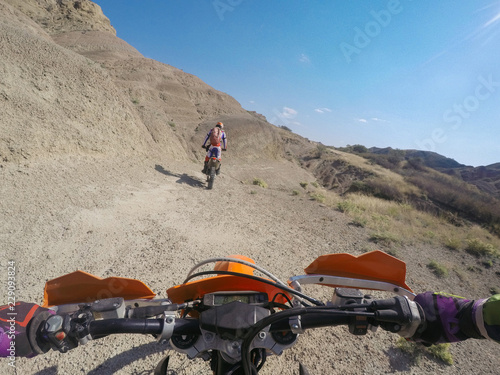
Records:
x=455, y=116
x=10, y=329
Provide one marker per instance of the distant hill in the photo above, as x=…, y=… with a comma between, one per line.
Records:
x=430, y=159
x=486, y=178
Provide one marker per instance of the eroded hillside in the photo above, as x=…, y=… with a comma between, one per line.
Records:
x=83, y=90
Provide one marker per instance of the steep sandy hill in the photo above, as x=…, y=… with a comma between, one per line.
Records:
x=56, y=102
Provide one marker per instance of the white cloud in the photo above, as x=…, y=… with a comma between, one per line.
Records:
x=285, y=117
x=492, y=21
x=304, y=58
x=322, y=110
x=378, y=119
x=370, y=120
x=288, y=113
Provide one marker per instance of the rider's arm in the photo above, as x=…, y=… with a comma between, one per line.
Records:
x=206, y=138
x=450, y=318
x=224, y=140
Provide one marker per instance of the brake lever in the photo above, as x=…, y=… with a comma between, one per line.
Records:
x=398, y=315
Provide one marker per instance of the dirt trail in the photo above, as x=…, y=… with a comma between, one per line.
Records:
x=154, y=222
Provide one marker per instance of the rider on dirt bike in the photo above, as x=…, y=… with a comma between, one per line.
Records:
x=215, y=144
x=449, y=319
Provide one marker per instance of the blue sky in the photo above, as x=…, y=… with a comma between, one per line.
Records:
x=400, y=73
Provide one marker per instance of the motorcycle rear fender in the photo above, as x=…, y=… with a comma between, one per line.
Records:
x=213, y=162
x=80, y=287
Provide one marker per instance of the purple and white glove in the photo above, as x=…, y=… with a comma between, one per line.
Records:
x=448, y=318
x=19, y=324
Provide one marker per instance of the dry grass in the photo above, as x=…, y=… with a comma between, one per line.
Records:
x=438, y=269
x=393, y=222
x=260, y=182
x=440, y=352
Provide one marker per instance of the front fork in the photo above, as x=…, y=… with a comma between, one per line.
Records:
x=220, y=366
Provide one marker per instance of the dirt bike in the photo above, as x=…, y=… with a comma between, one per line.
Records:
x=230, y=316
x=213, y=166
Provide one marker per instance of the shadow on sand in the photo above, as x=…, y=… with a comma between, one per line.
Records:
x=48, y=371
x=119, y=361
x=182, y=178
x=123, y=359
x=399, y=361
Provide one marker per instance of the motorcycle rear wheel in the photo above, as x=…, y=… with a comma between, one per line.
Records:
x=211, y=178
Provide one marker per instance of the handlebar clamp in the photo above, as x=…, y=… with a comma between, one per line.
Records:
x=296, y=324
x=168, y=327
x=359, y=325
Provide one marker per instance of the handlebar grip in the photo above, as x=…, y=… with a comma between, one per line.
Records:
x=187, y=327
x=114, y=326
x=142, y=326
x=324, y=318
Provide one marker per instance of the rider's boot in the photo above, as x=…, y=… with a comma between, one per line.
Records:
x=205, y=167
x=217, y=172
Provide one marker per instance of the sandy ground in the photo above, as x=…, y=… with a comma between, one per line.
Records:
x=153, y=221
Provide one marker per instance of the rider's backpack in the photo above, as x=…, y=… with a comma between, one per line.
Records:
x=215, y=136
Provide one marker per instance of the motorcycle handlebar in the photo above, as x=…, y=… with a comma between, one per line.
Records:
x=402, y=313
x=183, y=326
x=99, y=328
x=398, y=315
x=314, y=320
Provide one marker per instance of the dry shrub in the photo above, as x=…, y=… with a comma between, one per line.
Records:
x=438, y=269
x=260, y=182
x=378, y=188
x=458, y=196
x=479, y=248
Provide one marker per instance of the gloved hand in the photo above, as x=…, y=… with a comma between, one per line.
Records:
x=448, y=318
x=18, y=327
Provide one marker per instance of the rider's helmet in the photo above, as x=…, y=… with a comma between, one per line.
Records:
x=220, y=125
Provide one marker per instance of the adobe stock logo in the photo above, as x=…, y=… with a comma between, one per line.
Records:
x=363, y=36
x=461, y=111
x=223, y=6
